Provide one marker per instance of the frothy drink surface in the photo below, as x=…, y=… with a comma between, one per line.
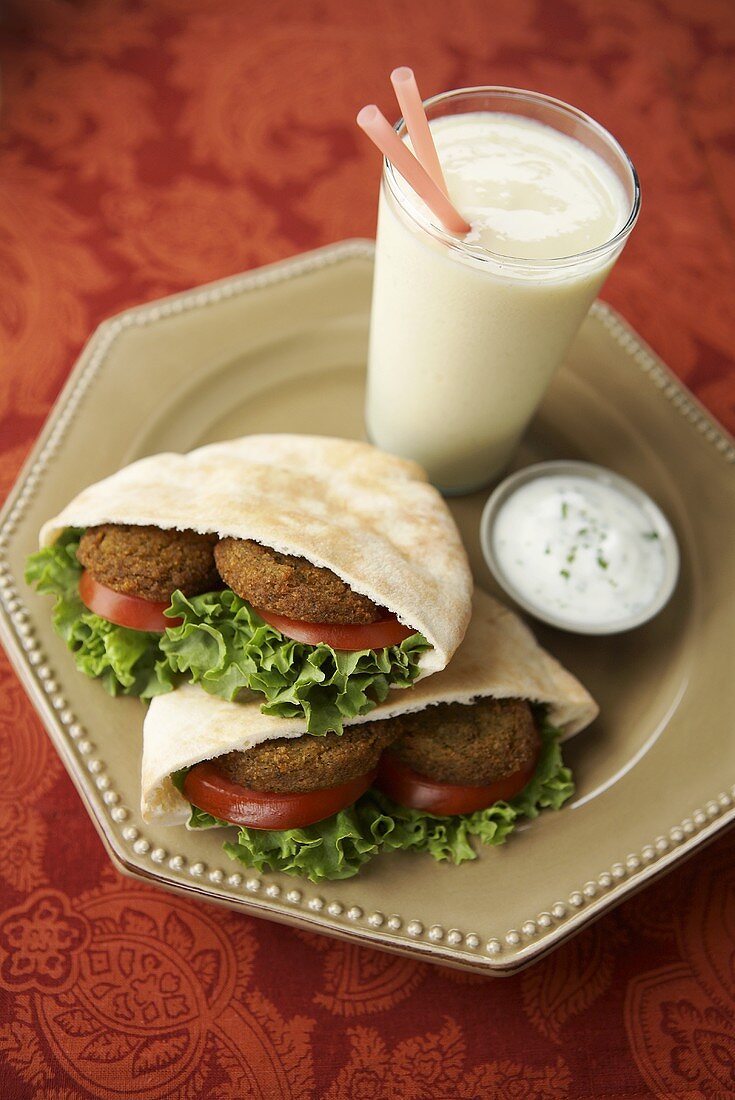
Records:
x=526, y=189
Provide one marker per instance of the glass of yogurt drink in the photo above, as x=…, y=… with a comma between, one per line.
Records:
x=466, y=333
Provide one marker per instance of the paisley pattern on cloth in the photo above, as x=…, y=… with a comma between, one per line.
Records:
x=148, y=147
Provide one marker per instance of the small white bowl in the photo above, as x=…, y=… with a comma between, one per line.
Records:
x=659, y=523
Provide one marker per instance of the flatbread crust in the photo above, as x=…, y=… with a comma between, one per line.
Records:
x=372, y=518
x=499, y=657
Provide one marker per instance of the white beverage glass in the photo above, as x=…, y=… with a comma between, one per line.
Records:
x=466, y=334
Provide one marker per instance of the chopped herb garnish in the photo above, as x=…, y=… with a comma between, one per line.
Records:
x=572, y=555
x=583, y=531
x=601, y=562
x=564, y=573
x=564, y=510
x=650, y=535
x=547, y=550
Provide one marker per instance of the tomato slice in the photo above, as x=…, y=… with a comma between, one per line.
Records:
x=386, y=631
x=206, y=787
x=116, y=607
x=408, y=787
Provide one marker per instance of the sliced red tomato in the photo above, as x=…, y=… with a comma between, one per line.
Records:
x=404, y=785
x=116, y=607
x=386, y=631
x=206, y=787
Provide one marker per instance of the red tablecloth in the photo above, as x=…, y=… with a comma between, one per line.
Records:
x=150, y=146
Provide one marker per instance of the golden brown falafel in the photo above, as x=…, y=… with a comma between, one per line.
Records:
x=470, y=745
x=149, y=562
x=290, y=586
x=308, y=763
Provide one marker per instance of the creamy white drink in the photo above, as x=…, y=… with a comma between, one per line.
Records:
x=466, y=334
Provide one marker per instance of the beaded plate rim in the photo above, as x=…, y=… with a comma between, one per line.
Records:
x=302, y=904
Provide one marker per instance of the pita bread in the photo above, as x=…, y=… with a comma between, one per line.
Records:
x=499, y=657
x=371, y=518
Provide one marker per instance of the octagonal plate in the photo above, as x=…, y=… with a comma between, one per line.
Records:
x=283, y=349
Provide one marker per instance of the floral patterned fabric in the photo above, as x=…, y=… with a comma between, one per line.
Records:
x=149, y=146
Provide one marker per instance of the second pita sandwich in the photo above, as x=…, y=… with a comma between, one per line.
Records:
x=463, y=754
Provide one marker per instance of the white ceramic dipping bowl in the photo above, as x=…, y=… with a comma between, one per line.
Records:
x=658, y=521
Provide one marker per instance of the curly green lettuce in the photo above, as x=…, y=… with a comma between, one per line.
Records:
x=128, y=662
x=338, y=847
x=224, y=646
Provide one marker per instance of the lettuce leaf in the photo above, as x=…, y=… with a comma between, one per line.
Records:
x=226, y=647
x=338, y=847
x=128, y=662
x=333, y=849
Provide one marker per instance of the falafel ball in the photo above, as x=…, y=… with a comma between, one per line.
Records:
x=470, y=745
x=308, y=763
x=149, y=562
x=290, y=586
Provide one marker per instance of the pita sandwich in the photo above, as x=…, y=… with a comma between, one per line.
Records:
x=499, y=659
x=371, y=519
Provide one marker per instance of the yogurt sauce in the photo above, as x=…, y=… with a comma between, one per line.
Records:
x=579, y=549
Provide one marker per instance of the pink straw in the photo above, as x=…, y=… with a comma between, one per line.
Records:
x=380, y=131
x=417, y=124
